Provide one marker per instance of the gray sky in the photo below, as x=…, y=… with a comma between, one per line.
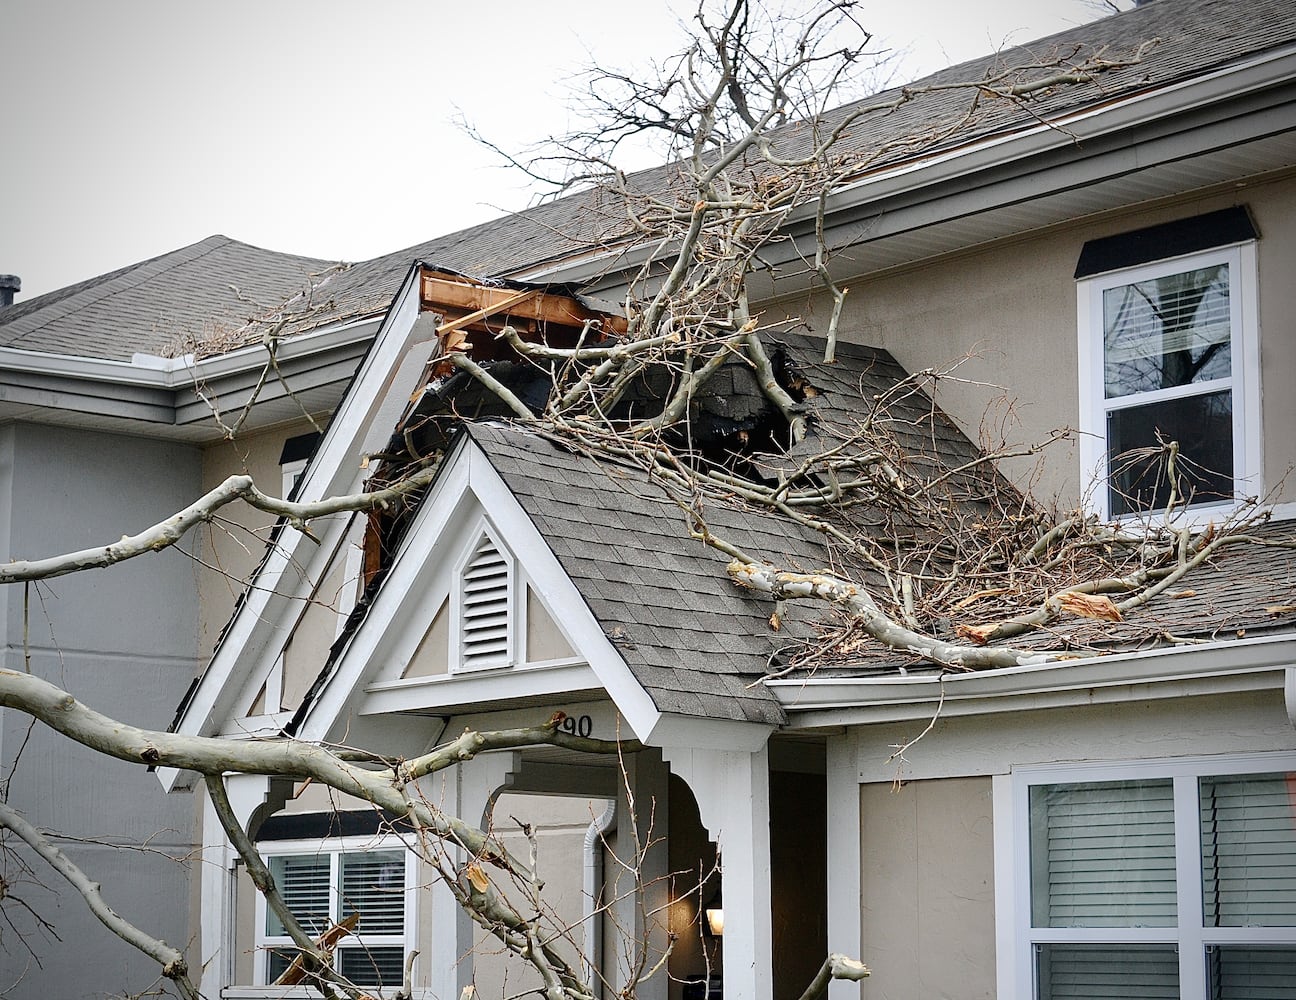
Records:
x=325, y=127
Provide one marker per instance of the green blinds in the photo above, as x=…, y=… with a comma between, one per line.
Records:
x=1103, y=854
x=1108, y=971
x=1248, y=837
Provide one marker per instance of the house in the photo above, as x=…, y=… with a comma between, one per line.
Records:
x=1115, y=824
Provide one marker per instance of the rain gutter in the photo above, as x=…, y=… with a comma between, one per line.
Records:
x=1208, y=668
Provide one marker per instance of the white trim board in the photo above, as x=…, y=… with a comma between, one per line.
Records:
x=257, y=628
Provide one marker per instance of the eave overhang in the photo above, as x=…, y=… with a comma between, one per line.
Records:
x=174, y=397
x=1122, y=151
x=1266, y=663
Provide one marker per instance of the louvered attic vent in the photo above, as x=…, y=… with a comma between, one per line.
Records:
x=486, y=597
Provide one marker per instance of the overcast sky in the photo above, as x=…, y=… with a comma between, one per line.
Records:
x=325, y=127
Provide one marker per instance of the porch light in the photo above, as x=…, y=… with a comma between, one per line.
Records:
x=714, y=913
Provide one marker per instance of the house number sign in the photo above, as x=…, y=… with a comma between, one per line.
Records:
x=577, y=725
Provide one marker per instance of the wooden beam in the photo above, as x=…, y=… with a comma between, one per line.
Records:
x=441, y=291
x=503, y=305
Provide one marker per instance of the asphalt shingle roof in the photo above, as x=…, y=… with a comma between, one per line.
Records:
x=158, y=304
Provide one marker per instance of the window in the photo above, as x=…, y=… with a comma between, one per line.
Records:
x=293, y=459
x=1169, y=353
x=1167, y=880
x=324, y=887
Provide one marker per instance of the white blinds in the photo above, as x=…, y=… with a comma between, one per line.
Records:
x=373, y=884
x=1146, y=321
x=303, y=881
x=1103, y=854
x=1248, y=833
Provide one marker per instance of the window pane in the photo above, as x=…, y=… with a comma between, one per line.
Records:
x=303, y=881
x=373, y=883
x=1248, y=828
x=1116, y=971
x=279, y=960
x=1256, y=973
x=1167, y=331
x=1103, y=854
x=1203, y=427
x=372, y=966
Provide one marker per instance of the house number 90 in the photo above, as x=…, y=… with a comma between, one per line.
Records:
x=580, y=725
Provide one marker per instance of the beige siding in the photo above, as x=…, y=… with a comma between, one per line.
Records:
x=1010, y=309
x=230, y=552
x=307, y=651
x=927, y=882
x=544, y=640
x=432, y=657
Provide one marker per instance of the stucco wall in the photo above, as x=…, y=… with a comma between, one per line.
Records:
x=230, y=551
x=123, y=640
x=927, y=872
x=927, y=883
x=1010, y=309
x=1239, y=722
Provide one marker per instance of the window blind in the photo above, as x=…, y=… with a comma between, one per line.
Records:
x=1107, y=972
x=1103, y=854
x=1248, y=833
x=303, y=881
x=1251, y=973
x=373, y=884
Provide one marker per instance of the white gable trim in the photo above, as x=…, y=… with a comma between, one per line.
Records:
x=378, y=393
x=468, y=487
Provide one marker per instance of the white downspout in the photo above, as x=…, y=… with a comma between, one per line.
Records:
x=592, y=945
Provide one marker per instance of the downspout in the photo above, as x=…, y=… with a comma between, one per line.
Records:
x=592, y=945
x=1289, y=693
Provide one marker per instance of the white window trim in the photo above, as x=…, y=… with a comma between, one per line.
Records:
x=1248, y=452
x=290, y=472
x=1014, y=936
x=335, y=847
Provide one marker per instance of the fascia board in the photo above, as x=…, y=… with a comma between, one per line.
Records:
x=1220, y=88
x=182, y=372
x=467, y=477
x=1213, y=667
x=1225, y=89
x=256, y=627
x=386, y=619
x=688, y=731
x=162, y=390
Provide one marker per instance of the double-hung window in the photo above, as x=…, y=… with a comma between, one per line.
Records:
x=1172, y=879
x=1169, y=353
x=325, y=884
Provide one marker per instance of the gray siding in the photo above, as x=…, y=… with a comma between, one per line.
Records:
x=123, y=640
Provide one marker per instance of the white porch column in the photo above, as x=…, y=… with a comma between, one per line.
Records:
x=844, y=859
x=640, y=922
x=467, y=791
x=218, y=886
x=732, y=792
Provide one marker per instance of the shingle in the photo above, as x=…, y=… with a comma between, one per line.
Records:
x=146, y=306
